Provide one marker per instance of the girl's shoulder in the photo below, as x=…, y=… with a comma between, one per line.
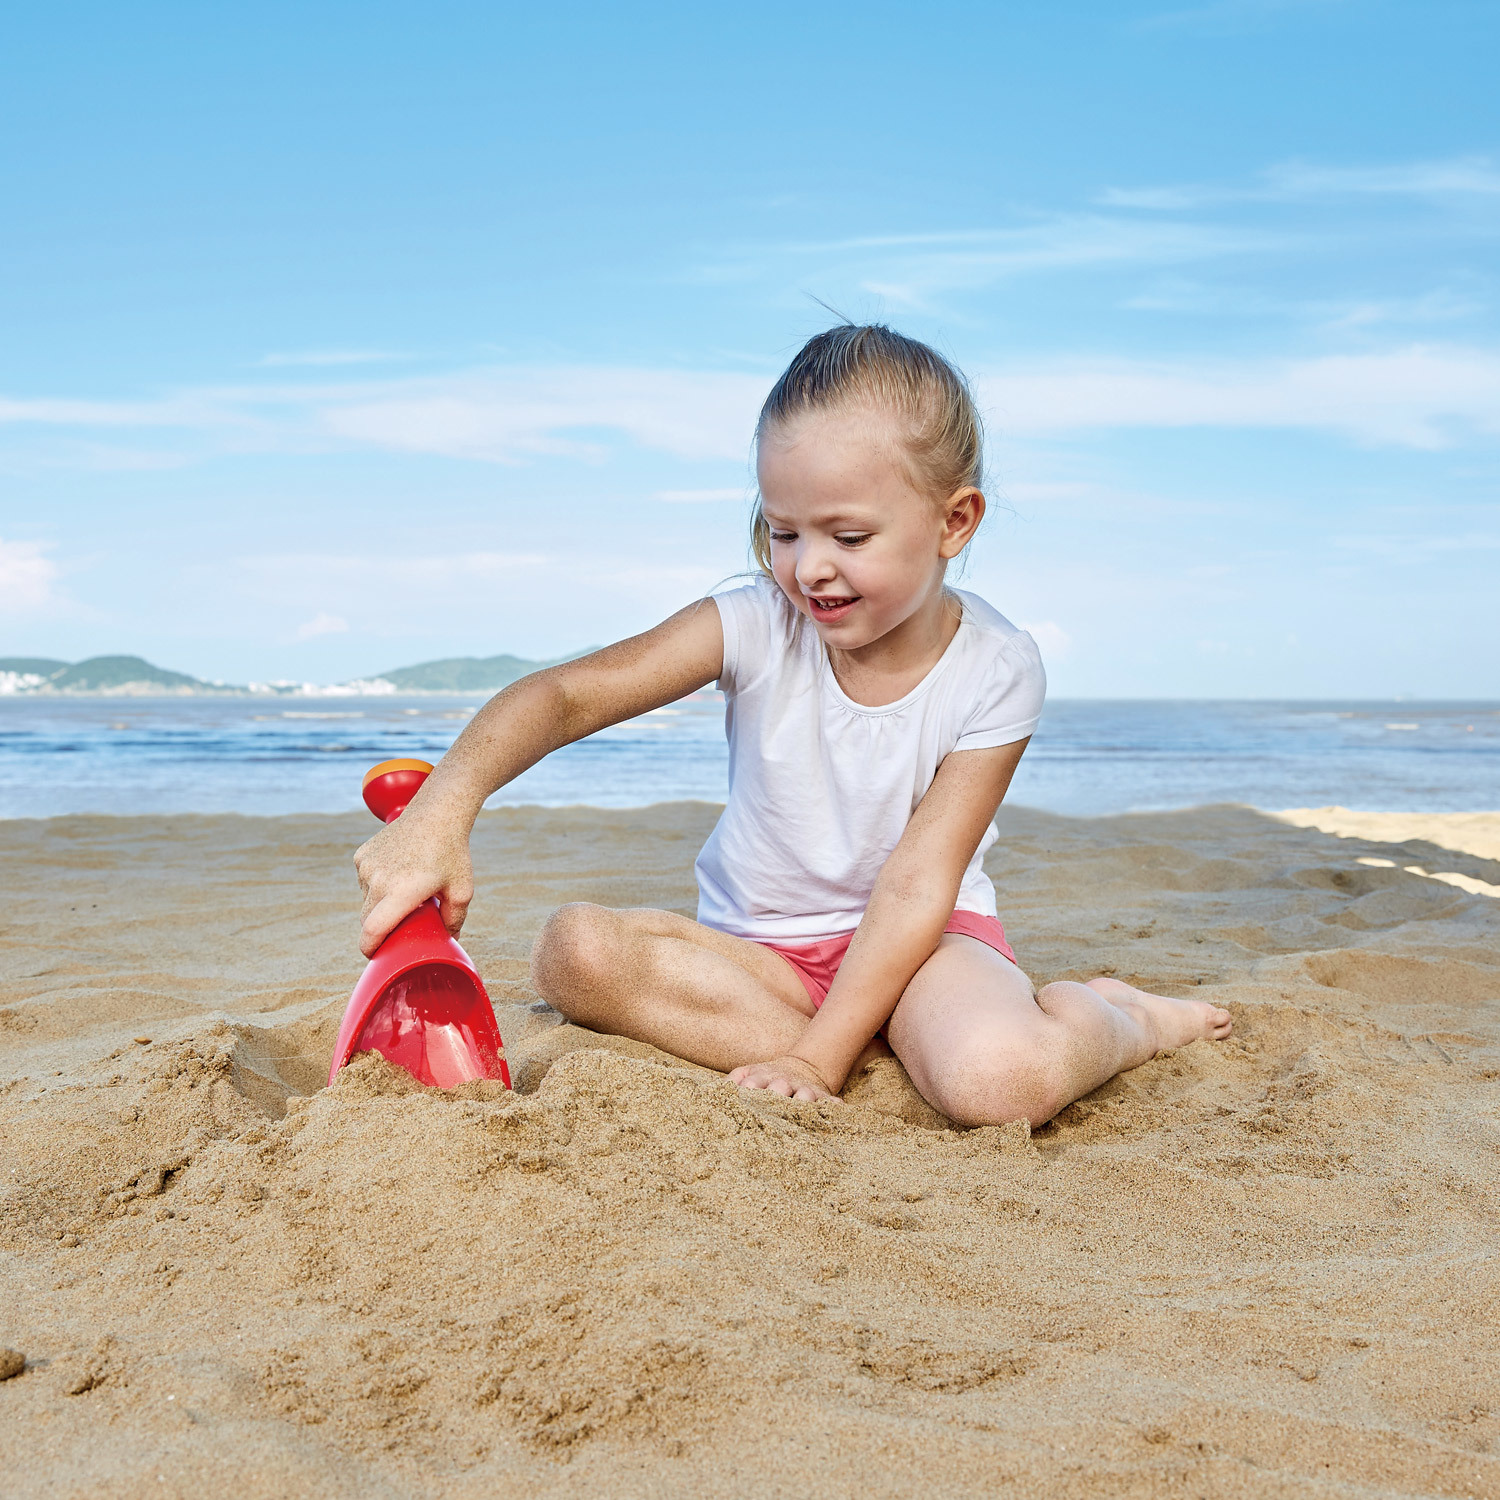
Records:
x=1000, y=685
x=988, y=631
x=757, y=603
x=761, y=628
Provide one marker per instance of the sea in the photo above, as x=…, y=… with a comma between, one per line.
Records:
x=262, y=756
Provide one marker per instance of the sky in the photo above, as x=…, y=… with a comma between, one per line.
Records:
x=338, y=337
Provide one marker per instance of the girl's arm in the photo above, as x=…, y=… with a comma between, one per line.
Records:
x=426, y=851
x=909, y=908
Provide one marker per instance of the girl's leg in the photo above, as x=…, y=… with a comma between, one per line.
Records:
x=984, y=1049
x=716, y=1000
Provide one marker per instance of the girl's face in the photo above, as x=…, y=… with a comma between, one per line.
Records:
x=854, y=545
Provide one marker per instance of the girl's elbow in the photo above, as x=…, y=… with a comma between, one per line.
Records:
x=920, y=896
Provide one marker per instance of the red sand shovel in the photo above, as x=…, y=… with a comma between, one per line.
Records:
x=420, y=1002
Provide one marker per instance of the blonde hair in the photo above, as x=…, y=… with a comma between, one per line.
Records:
x=870, y=365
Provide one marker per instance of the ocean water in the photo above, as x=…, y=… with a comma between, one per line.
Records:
x=258, y=756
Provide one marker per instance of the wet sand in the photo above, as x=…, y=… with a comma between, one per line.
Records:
x=1266, y=1267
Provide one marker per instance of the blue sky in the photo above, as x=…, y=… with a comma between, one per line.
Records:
x=338, y=337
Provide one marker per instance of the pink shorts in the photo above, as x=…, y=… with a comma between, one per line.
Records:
x=816, y=962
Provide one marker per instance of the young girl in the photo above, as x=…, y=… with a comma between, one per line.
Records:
x=875, y=718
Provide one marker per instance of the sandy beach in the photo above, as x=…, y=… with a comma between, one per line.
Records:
x=1262, y=1268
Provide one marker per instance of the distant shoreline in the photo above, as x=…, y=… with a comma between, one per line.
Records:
x=135, y=677
x=270, y=694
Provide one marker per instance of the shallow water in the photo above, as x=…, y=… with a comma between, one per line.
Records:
x=1090, y=757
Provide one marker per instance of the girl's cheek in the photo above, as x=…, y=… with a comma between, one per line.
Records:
x=785, y=573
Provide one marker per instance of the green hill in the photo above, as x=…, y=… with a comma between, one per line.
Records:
x=32, y=666
x=105, y=674
x=101, y=673
x=466, y=674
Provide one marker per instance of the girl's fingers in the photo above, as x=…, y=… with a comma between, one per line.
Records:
x=383, y=916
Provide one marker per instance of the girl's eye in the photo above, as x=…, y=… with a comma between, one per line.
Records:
x=856, y=540
x=783, y=536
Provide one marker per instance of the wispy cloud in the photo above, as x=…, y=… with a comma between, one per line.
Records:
x=1202, y=299
x=330, y=357
x=505, y=415
x=27, y=576
x=1467, y=175
x=1424, y=544
x=1420, y=396
x=1424, y=397
x=911, y=269
x=321, y=624
x=1454, y=177
x=494, y=415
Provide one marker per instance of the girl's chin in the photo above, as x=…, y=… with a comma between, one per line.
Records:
x=849, y=633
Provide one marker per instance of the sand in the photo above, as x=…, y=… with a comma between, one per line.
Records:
x=1467, y=833
x=1263, y=1268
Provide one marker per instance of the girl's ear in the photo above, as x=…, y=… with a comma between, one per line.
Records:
x=964, y=512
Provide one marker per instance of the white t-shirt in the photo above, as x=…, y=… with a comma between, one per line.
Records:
x=821, y=788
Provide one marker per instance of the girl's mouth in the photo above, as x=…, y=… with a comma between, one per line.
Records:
x=828, y=609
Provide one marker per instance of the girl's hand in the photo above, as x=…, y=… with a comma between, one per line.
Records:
x=404, y=864
x=789, y=1076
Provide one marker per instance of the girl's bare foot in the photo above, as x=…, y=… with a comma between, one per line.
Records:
x=1174, y=1023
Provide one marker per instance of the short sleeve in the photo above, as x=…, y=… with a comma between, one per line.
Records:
x=745, y=614
x=1008, y=705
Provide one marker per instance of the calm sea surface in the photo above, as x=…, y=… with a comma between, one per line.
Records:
x=251, y=755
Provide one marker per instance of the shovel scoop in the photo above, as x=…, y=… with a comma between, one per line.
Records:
x=420, y=1002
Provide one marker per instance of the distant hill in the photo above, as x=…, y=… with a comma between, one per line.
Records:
x=466, y=674
x=32, y=666
x=100, y=674
x=127, y=675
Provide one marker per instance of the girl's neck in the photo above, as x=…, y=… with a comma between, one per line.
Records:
x=887, y=669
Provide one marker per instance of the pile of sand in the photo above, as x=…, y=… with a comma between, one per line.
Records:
x=1468, y=833
x=1267, y=1267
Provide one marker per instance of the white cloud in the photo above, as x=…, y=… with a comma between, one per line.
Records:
x=910, y=269
x=196, y=410
x=503, y=415
x=498, y=415
x=321, y=624
x=699, y=497
x=1419, y=544
x=1183, y=195
x=26, y=577
x=1468, y=175
x=1460, y=176
x=1420, y=397
x=330, y=357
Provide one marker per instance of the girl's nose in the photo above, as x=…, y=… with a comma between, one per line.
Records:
x=815, y=564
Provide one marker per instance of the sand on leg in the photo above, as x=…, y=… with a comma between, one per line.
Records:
x=984, y=1048
x=703, y=995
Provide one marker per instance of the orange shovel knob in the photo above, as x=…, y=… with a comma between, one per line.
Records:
x=389, y=786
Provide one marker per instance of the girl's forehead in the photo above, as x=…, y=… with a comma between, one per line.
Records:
x=828, y=452
x=858, y=426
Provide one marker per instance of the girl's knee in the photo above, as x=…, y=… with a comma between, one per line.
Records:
x=1064, y=995
x=577, y=950
x=995, y=1082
